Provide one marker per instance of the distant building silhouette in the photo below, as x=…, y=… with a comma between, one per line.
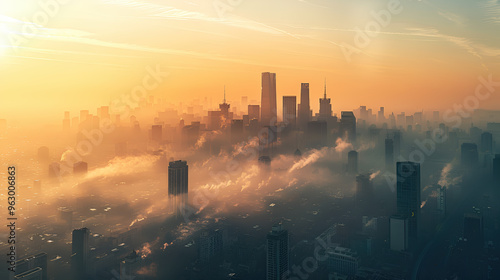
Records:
x=290, y=110
x=80, y=253
x=32, y=274
x=325, y=107
x=352, y=162
x=317, y=134
x=80, y=167
x=178, y=185
x=210, y=244
x=305, y=109
x=389, y=154
x=486, y=142
x=496, y=169
x=277, y=253
x=469, y=155
x=408, y=196
x=473, y=230
x=343, y=260
x=364, y=192
x=268, y=99
x=253, y=112
x=399, y=233
x=348, y=126
x=156, y=133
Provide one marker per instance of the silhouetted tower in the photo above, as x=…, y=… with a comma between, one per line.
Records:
x=80, y=253
x=178, y=185
x=305, y=110
x=290, y=110
x=277, y=253
x=268, y=99
x=348, y=126
x=469, y=153
x=325, y=107
x=408, y=196
x=352, y=162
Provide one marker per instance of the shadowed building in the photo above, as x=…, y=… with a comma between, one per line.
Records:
x=389, y=154
x=304, y=109
x=348, y=126
x=32, y=267
x=178, y=185
x=277, y=253
x=408, y=196
x=290, y=110
x=496, y=170
x=80, y=253
x=80, y=167
x=352, y=162
x=253, y=112
x=469, y=155
x=268, y=99
x=325, y=107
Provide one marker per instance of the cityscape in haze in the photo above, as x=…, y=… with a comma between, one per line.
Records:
x=239, y=140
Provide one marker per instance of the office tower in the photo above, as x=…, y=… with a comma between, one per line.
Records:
x=214, y=120
x=486, y=142
x=399, y=233
x=352, y=162
x=381, y=115
x=364, y=192
x=342, y=260
x=277, y=253
x=224, y=108
x=317, y=134
x=469, y=155
x=418, y=118
x=80, y=167
x=325, y=107
x=43, y=154
x=32, y=274
x=32, y=266
x=348, y=126
x=156, y=133
x=178, y=185
x=210, y=244
x=253, y=112
x=290, y=110
x=268, y=99
x=236, y=131
x=408, y=196
x=409, y=120
x=496, y=169
x=389, y=154
x=473, y=230
x=304, y=109
x=80, y=253
x=54, y=170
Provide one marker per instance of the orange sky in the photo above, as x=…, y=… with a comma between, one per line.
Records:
x=428, y=56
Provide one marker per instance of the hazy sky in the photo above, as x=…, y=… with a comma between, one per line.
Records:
x=84, y=53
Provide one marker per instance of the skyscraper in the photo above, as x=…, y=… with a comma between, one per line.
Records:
x=389, y=154
x=325, y=107
x=290, y=110
x=80, y=253
x=317, y=134
x=268, y=99
x=496, y=169
x=352, y=162
x=253, y=112
x=305, y=110
x=486, y=142
x=470, y=156
x=224, y=108
x=178, y=184
x=348, y=126
x=408, y=196
x=399, y=233
x=473, y=229
x=277, y=253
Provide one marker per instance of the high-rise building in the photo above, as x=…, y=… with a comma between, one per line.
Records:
x=178, y=185
x=486, y=142
x=224, y=108
x=325, y=107
x=352, y=162
x=317, y=134
x=408, y=196
x=348, y=126
x=253, y=112
x=210, y=244
x=156, y=133
x=389, y=154
x=268, y=99
x=290, y=110
x=469, y=155
x=399, y=233
x=277, y=253
x=496, y=169
x=80, y=253
x=32, y=266
x=364, y=192
x=381, y=115
x=304, y=109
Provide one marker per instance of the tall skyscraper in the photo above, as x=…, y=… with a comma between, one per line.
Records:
x=348, y=126
x=364, y=192
x=224, y=108
x=253, y=112
x=486, y=142
x=178, y=185
x=473, y=229
x=352, y=162
x=408, y=196
x=469, y=153
x=399, y=233
x=268, y=99
x=32, y=267
x=496, y=169
x=325, y=107
x=305, y=109
x=80, y=253
x=389, y=154
x=317, y=134
x=290, y=110
x=277, y=253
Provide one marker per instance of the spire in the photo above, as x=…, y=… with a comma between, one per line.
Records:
x=224, y=93
x=325, y=88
